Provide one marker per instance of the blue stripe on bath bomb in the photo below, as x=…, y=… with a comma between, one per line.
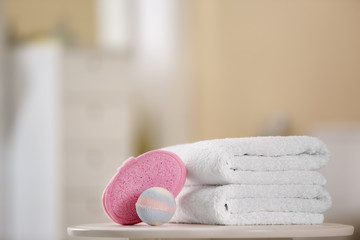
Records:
x=153, y=216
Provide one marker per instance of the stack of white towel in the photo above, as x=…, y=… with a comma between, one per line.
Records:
x=259, y=180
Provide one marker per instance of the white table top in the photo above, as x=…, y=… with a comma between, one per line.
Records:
x=170, y=230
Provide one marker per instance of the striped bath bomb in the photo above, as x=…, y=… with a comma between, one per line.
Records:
x=155, y=206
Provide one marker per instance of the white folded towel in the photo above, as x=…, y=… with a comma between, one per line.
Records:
x=216, y=177
x=252, y=204
x=255, y=218
x=230, y=160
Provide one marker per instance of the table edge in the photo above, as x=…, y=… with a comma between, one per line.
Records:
x=222, y=231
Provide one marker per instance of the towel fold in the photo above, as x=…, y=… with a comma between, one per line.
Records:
x=233, y=160
x=252, y=204
x=252, y=177
x=258, y=218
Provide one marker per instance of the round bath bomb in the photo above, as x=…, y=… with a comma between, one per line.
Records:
x=155, y=206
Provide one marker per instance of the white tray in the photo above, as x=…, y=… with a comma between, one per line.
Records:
x=170, y=230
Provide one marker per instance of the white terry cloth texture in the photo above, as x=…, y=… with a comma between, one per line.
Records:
x=252, y=204
x=252, y=177
x=230, y=160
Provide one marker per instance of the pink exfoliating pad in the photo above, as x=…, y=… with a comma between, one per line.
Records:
x=152, y=169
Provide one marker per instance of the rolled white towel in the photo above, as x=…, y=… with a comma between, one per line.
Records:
x=252, y=204
x=229, y=160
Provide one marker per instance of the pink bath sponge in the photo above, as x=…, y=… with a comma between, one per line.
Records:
x=152, y=169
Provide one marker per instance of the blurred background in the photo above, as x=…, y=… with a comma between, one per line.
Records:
x=85, y=84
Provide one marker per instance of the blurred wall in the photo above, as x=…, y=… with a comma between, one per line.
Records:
x=157, y=50
x=35, y=18
x=256, y=59
x=113, y=104
x=33, y=187
x=2, y=110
